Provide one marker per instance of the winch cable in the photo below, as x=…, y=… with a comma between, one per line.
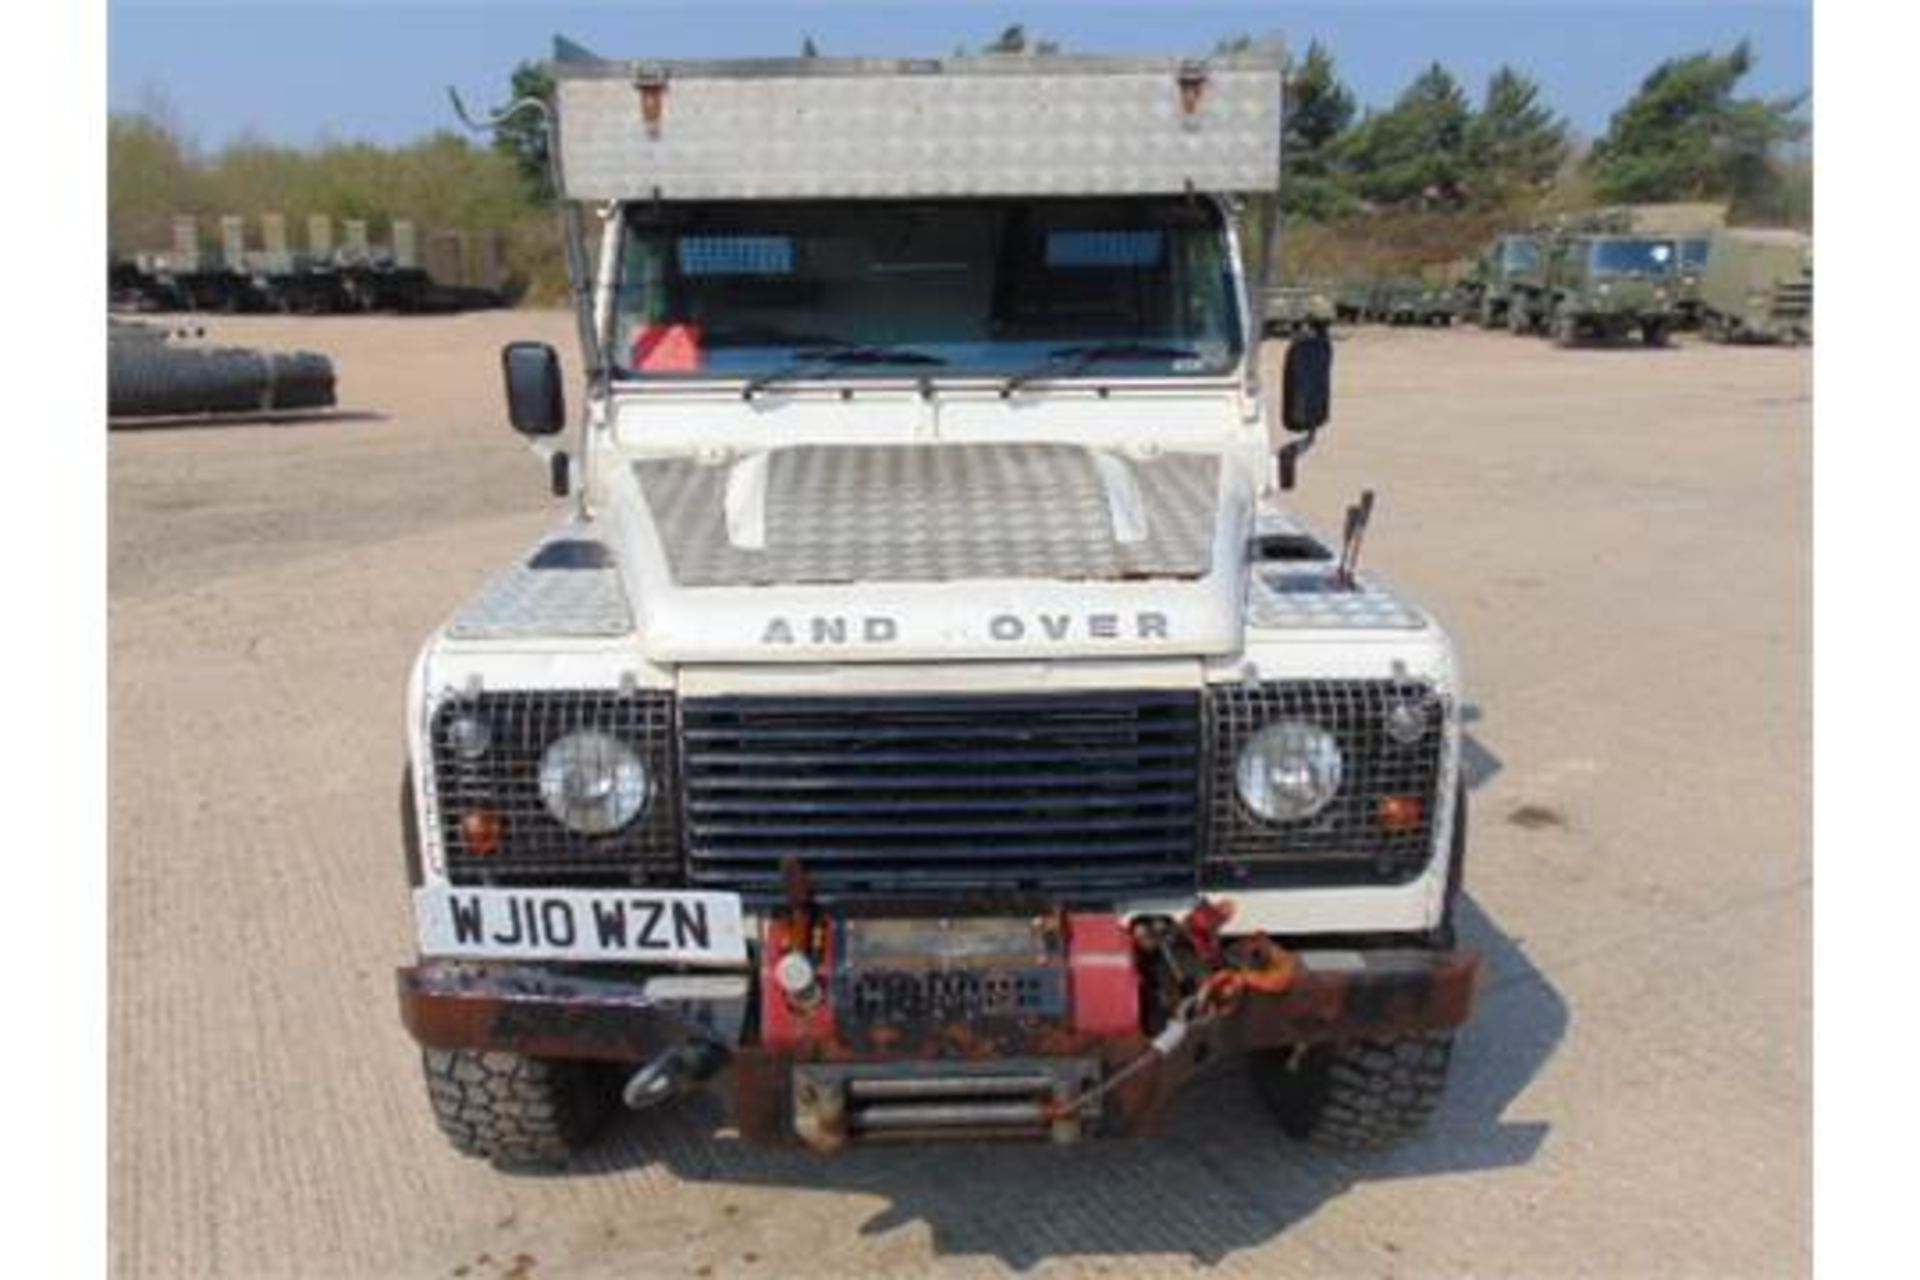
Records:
x=1216, y=996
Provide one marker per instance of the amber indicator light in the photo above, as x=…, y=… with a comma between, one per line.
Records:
x=481, y=832
x=1400, y=813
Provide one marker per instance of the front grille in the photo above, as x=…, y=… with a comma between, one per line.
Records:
x=505, y=780
x=1081, y=794
x=1345, y=842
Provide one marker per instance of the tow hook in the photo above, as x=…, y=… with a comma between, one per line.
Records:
x=681, y=1069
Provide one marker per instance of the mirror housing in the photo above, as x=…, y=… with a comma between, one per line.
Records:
x=1306, y=386
x=536, y=404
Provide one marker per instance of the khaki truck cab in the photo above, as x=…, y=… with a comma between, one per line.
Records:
x=928, y=719
x=1758, y=286
x=1487, y=289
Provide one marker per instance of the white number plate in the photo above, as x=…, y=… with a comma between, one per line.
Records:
x=581, y=924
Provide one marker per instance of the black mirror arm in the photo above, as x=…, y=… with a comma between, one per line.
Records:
x=1289, y=457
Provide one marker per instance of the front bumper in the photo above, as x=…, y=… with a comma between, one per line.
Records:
x=545, y=1011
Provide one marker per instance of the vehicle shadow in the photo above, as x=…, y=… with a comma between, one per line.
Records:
x=1478, y=763
x=270, y=418
x=1217, y=1179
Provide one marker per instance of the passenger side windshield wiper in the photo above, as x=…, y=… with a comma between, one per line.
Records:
x=818, y=359
x=1065, y=362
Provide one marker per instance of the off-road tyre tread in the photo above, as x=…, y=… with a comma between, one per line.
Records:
x=1358, y=1094
x=154, y=379
x=516, y=1111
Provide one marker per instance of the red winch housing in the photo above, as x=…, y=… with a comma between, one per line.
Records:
x=1066, y=979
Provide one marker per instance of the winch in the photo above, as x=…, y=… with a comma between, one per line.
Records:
x=961, y=1027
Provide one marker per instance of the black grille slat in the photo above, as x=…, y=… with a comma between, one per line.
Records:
x=1028, y=803
x=505, y=781
x=1344, y=843
x=753, y=784
x=853, y=757
x=954, y=849
x=1056, y=792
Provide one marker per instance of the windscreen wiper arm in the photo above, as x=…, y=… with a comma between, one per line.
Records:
x=809, y=361
x=1065, y=362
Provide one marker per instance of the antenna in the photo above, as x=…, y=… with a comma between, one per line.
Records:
x=1358, y=516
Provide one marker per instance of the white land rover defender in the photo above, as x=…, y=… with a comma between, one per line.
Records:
x=927, y=722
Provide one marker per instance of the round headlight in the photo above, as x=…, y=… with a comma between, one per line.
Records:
x=593, y=783
x=1289, y=771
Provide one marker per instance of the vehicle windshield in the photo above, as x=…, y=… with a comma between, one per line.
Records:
x=1693, y=253
x=793, y=290
x=1522, y=255
x=1632, y=257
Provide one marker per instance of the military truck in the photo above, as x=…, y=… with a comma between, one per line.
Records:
x=1598, y=286
x=1411, y=300
x=1487, y=289
x=1289, y=310
x=928, y=704
x=1758, y=286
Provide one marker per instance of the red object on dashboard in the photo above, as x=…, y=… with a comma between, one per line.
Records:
x=668, y=348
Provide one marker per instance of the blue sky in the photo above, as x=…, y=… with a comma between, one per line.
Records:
x=301, y=71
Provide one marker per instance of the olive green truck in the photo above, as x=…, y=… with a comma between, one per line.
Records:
x=1757, y=286
x=1598, y=286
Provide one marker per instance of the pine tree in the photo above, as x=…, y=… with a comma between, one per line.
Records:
x=1515, y=144
x=1684, y=136
x=1414, y=154
x=1319, y=110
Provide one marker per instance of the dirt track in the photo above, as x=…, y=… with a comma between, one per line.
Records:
x=1620, y=543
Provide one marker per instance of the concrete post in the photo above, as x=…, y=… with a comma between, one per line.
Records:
x=406, y=244
x=233, y=242
x=319, y=237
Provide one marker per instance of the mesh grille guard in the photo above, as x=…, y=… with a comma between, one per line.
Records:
x=505, y=780
x=1344, y=844
x=1077, y=796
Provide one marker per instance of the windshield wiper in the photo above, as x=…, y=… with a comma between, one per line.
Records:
x=821, y=358
x=1065, y=362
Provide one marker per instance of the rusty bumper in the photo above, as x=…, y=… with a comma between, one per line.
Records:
x=544, y=1012
x=1344, y=995
x=550, y=1013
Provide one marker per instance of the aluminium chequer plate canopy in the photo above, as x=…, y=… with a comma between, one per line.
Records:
x=853, y=128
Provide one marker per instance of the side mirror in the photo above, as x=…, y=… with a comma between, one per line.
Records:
x=1306, y=387
x=535, y=403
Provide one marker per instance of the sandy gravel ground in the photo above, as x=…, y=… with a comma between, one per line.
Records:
x=1620, y=541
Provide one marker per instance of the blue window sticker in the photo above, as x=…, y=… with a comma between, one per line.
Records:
x=736, y=255
x=1105, y=248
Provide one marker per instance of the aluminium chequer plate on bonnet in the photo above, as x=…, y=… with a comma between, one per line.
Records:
x=933, y=513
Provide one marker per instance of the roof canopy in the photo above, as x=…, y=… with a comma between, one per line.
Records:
x=996, y=125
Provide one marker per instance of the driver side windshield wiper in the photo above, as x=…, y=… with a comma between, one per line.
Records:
x=818, y=359
x=1065, y=362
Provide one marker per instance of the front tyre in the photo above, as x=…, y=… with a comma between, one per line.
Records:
x=515, y=1110
x=1357, y=1093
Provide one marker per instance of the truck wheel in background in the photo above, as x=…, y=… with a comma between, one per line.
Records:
x=518, y=1111
x=1654, y=333
x=1565, y=329
x=1357, y=1093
